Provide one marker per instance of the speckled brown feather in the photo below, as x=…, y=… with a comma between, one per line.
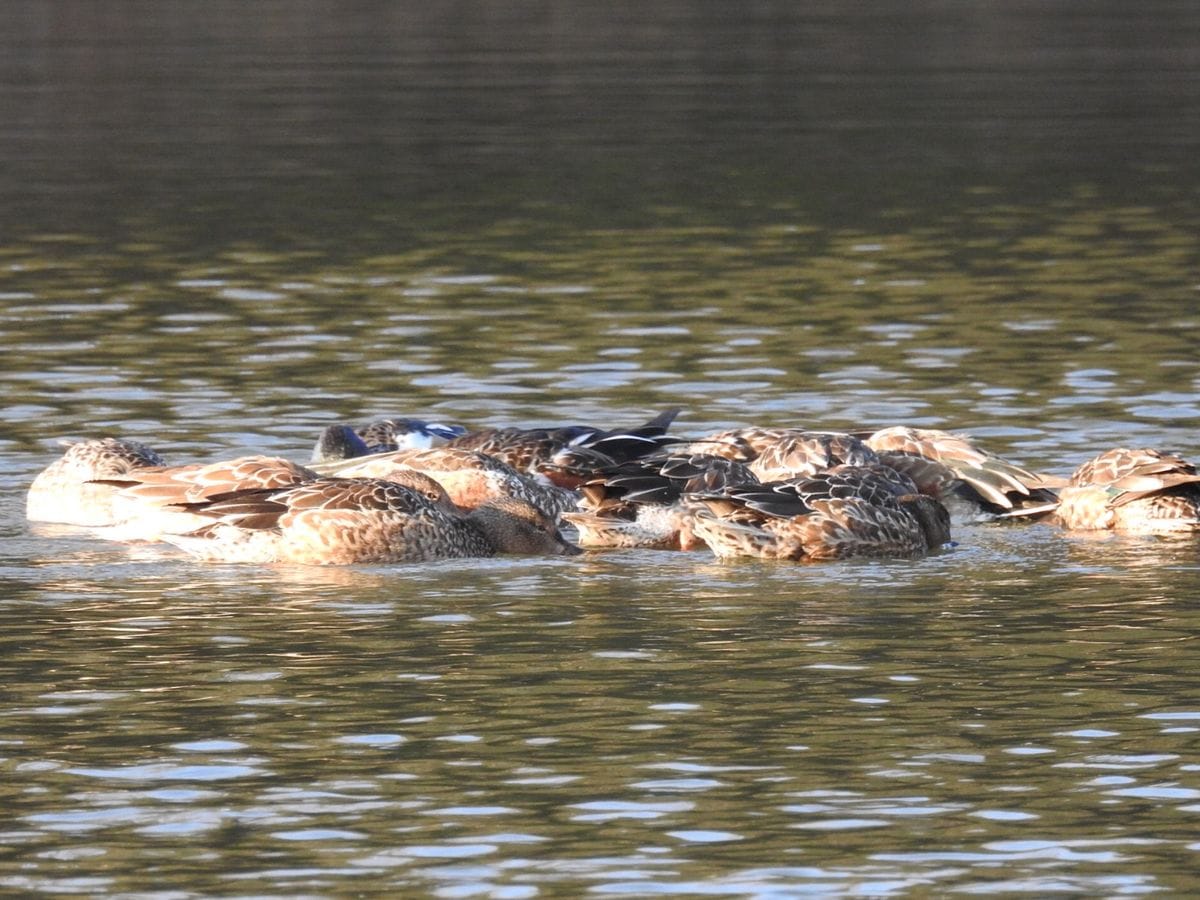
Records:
x=532, y=449
x=469, y=477
x=661, y=479
x=740, y=444
x=67, y=491
x=190, y=483
x=997, y=484
x=336, y=521
x=650, y=530
x=1132, y=490
x=875, y=484
x=1136, y=473
x=800, y=454
x=640, y=503
x=150, y=502
x=848, y=511
x=846, y=527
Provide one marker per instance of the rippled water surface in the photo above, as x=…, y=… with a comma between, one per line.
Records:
x=227, y=230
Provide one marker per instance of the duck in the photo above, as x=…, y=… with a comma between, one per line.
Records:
x=343, y=521
x=803, y=453
x=846, y=511
x=151, y=502
x=1131, y=490
x=148, y=502
x=555, y=453
x=469, y=477
x=641, y=503
x=406, y=433
x=743, y=444
x=68, y=491
x=382, y=436
x=972, y=482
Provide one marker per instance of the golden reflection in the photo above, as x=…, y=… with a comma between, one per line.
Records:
x=1115, y=554
x=877, y=299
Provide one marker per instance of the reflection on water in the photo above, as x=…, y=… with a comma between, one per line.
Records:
x=1016, y=711
x=772, y=324
x=225, y=232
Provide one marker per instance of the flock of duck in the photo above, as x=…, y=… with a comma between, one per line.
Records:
x=405, y=490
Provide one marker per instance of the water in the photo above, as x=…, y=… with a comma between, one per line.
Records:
x=226, y=229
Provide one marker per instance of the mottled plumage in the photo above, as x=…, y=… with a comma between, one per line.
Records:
x=1132, y=490
x=338, y=521
x=640, y=503
x=662, y=479
x=534, y=450
x=967, y=478
x=844, y=512
x=469, y=477
x=804, y=453
x=66, y=491
x=156, y=501
x=740, y=444
x=648, y=526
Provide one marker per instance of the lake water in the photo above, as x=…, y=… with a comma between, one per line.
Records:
x=226, y=226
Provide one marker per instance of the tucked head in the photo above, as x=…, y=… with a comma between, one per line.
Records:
x=99, y=457
x=931, y=515
x=515, y=526
x=339, y=442
x=385, y=435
